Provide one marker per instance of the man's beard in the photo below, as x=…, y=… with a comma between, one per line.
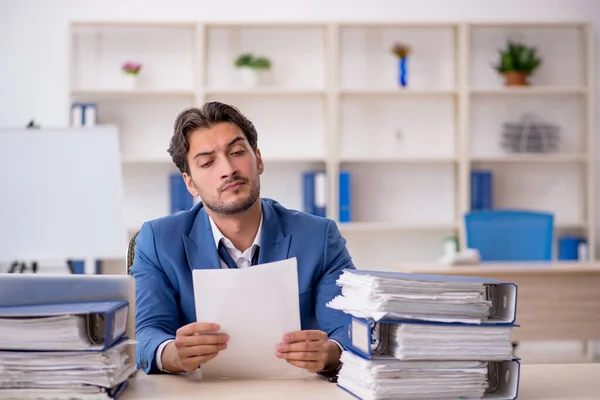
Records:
x=238, y=206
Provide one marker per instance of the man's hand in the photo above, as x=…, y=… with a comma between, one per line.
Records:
x=311, y=350
x=194, y=345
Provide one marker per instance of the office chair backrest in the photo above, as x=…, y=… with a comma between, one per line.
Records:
x=131, y=252
x=510, y=235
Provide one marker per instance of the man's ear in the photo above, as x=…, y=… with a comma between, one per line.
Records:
x=190, y=185
x=259, y=162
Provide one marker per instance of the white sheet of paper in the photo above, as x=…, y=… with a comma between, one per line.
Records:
x=255, y=306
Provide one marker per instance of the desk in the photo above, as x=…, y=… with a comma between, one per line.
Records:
x=550, y=382
x=559, y=301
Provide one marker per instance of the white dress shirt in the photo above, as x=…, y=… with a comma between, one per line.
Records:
x=242, y=260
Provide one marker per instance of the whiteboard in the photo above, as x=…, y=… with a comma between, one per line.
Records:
x=61, y=194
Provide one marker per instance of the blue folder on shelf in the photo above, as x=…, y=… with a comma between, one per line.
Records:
x=96, y=325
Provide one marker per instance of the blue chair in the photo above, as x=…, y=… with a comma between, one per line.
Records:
x=510, y=235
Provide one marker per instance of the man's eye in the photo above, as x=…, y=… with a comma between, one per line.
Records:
x=237, y=153
x=206, y=164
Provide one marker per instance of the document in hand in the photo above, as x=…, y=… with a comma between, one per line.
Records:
x=255, y=306
x=442, y=298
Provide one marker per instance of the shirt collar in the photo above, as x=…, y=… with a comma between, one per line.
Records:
x=218, y=235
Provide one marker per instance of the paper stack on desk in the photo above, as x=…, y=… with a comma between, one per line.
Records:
x=427, y=336
x=64, y=351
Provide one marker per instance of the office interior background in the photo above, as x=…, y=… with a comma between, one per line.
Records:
x=389, y=117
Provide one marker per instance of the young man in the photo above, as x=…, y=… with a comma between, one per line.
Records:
x=215, y=148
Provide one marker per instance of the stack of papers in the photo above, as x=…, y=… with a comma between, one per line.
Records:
x=394, y=379
x=65, y=375
x=385, y=296
x=61, y=332
x=449, y=342
x=72, y=350
x=426, y=336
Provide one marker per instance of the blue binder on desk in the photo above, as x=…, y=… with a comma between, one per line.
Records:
x=101, y=324
x=502, y=295
x=503, y=377
x=368, y=338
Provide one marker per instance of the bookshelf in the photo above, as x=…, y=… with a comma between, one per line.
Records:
x=332, y=102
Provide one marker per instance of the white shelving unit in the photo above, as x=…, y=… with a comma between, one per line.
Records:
x=333, y=103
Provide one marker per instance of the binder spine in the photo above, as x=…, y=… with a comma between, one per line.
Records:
x=503, y=297
x=361, y=337
x=113, y=325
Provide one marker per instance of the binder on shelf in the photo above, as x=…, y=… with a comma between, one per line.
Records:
x=314, y=192
x=76, y=326
x=314, y=189
x=345, y=197
x=481, y=190
x=180, y=198
x=84, y=115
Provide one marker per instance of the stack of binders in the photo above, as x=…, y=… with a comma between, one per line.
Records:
x=65, y=351
x=427, y=336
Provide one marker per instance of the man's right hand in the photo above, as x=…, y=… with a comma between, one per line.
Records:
x=194, y=345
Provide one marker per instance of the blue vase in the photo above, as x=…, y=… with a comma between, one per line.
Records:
x=402, y=62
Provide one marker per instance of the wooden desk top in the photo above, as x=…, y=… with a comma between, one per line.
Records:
x=550, y=382
x=504, y=268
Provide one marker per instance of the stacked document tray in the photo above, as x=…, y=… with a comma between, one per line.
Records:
x=427, y=336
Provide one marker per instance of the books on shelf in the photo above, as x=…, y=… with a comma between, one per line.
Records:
x=65, y=350
x=431, y=336
x=315, y=197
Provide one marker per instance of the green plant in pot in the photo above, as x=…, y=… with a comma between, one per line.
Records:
x=252, y=68
x=518, y=62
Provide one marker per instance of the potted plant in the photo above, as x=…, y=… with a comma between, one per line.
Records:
x=401, y=51
x=252, y=68
x=131, y=71
x=517, y=62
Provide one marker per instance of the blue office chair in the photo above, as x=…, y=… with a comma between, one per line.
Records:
x=510, y=235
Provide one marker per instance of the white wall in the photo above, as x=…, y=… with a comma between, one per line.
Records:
x=34, y=54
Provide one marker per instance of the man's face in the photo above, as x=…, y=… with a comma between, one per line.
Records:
x=224, y=171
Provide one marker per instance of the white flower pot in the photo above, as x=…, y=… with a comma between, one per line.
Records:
x=250, y=77
x=130, y=81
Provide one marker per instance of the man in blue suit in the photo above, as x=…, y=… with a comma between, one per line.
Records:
x=215, y=148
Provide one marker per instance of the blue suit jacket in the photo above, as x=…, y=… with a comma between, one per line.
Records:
x=169, y=248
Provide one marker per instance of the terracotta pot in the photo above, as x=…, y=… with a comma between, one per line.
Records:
x=513, y=78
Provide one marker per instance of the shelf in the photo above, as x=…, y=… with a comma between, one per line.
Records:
x=167, y=159
x=293, y=159
x=530, y=90
x=398, y=92
x=532, y=158
x=386, y=227
x=265, y=91
x=329, y=111
x=146, y=160
x=116, y=93
x=399, y=160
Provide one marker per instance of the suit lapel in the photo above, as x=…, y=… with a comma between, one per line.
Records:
x=199, y=245
x=201, y=251
x=274, y=246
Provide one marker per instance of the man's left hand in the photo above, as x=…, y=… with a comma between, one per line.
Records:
x=310, y=350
